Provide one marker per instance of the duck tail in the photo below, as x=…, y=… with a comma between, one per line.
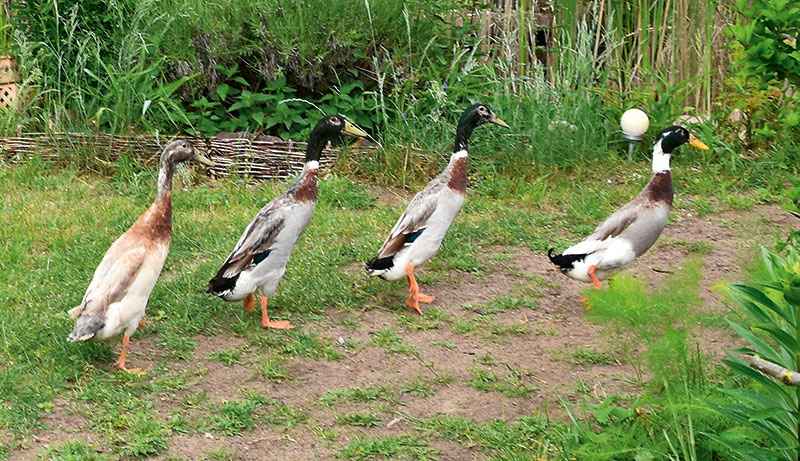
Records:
x=86, y=327
x=564, y=262
x=378, y=266
x=221, y=285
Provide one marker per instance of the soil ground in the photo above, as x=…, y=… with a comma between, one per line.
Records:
x=530, y=345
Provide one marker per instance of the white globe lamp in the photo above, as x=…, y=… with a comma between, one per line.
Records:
x=634, y=124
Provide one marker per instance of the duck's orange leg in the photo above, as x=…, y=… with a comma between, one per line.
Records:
x=595, y=280
x=250, y=303
x=414, y=296
x=141, y=323
x=120, y=363
x=267, y=323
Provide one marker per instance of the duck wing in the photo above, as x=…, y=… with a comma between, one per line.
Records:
x=411, y=224
x=253, y=247
x=612, y=227
x=617, y=223
x=112, y=279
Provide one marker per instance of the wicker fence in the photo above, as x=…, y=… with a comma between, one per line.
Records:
x=262, y=157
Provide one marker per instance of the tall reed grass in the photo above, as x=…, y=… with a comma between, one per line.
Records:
x=643, y=45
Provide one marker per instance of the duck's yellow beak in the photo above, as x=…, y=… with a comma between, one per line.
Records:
x=496, y=120
x=353, y=130
x=694, y=142
x=202, y=159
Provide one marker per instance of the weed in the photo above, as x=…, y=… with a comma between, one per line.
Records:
x=194, y=399
x=660, y=320
x=703, y=206
x=359, y=394
x=549, y=331
x=227, y=356
x=582, y=356
x=510, y=386
x=444, y=344
x=418, y=388
x=403, y=446
x=525, y=438
x=72, y=450
x=176, y=345
x=500, y=305
x=273, y=368
x=360, y=419
x=391, y=341
x=235, y=417
x=432, y=319
x=286, y=416
x=222, y=454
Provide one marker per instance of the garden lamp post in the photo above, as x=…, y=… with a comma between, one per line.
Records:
x=634, y=124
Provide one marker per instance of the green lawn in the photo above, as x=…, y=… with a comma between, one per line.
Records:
x=57, y=224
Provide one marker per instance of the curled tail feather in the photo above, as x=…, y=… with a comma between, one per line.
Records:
x=564, y=262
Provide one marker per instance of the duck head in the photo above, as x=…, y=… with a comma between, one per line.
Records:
x=325, y=130
x=181, y=150
x=474, y=116
x=675, y=136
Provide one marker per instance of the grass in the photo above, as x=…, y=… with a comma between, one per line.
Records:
x=51, y=253
x=582, y=356
x=511, y=384
x=359, y=394
x=360, y=419
x=500, y=305
x=403, y=447
x=393, y=342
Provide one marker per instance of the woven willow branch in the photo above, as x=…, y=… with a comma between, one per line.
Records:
x=233, y=153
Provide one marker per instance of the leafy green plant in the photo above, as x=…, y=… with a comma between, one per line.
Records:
x=235, y=106
x=793, y=194
x=768, y=31
x=8, y=45
x=768, y=406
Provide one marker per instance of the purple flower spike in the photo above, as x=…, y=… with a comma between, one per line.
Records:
x=405, y=115
x=444, y=85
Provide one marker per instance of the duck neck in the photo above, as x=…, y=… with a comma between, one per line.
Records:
x=305, y=188
x=315, y=145
x=463, y=132
x=165, y=173
x=458, y=172
x=660, y=159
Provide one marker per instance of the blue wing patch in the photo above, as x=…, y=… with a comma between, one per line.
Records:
x=261, y=256
x=413, y=236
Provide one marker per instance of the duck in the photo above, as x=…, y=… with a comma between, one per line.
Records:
x=633, y=229
x=258, y=261
x=116, y=298
x=418, y=234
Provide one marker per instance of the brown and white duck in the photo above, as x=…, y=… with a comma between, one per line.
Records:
x=633, y=229
x=417, y=235
x=258, y=261
x=117, y=296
